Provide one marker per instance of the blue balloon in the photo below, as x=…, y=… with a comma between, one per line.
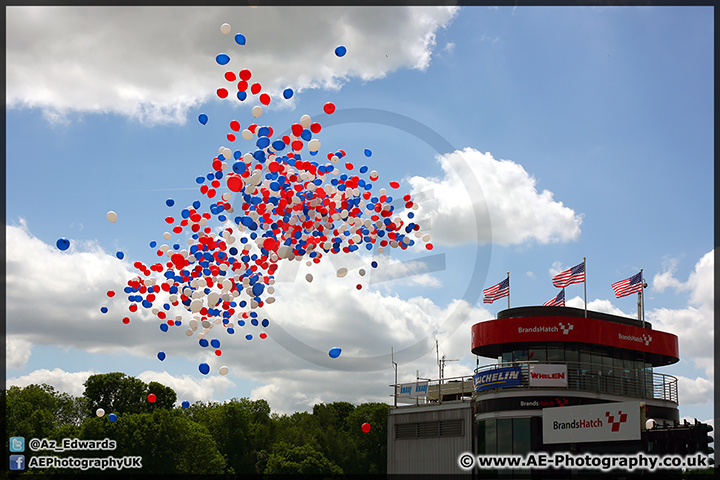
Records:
x=242, y=96
x=248, y=336
x=215, y=343
x=63, y=243
x=203, y=118
x=161, y=356
x=204, y=368
x=104, y=309
x=278, y=145
x=222, y=59
x=340, y=51
x=258, y=289
x=120, y=255
x=262, y=142
x=164, y=327
x=112, y=417
x=374, y=264
x=288, y=93
x=169, y=202
x=185, y=404
x=239, y=167
x=240, y=39
x=368, y=152
x=153, y=244
x=334, y=352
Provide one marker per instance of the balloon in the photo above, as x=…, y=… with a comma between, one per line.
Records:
x=225, y=28
x=394, y=184
x=104, y=309
x=340, y=51
x=365, y=427
x=265, y=99
x=309, y=277
x=204, y=368
x=63, y=243
x=329, y=108
x=112, y=216
x=256, y=111
x=185, y=404
x=341, y=272
x=100, y=412
x=334, y=352
x=161, y=356
x=152, y=398
x=169, y=202
x=222, y=59
x=224, y=370
x=287, y=93
x=112, y=417
x=240, y=39
x=368, y=153
x=120, y=255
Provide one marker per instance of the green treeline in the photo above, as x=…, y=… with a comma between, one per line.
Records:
x=236, y=437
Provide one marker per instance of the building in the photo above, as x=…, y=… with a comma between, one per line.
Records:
x=560, y=382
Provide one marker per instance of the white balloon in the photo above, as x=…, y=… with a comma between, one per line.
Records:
x=313, y=145
x=224, y=370
x=196, y=305
x=256, y=111
x=112, y=216
x=225, y=28
x=167, y=235
x=305, y=121
x=99, y=412
x=341, y=272
x=309, y=277
x=362, y=272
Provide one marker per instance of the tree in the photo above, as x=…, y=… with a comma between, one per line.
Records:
x=36, y=411
x=371, y=446
x=118, y=393
x=290, y=459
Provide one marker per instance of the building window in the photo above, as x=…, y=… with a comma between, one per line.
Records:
x=504, y=436
x=445, y=428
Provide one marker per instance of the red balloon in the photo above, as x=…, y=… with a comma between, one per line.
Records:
x=152, y=398
x=230, y=76
x=245, y=74
x=296, y=129
x=365, y=427
x=255, y=88
x=235, y=125
x=222, y=93
x=126, y=320
x=110, y=293
x=394, y=184
x=264, y=98
x=242, y=85
x=315, y=127
x=230, y=137
x=329, y=108
x=235, y=183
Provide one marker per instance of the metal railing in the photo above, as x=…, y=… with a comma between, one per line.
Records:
x=587, y=377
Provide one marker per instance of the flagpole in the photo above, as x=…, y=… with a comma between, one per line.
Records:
x=585, y=283
x=564, y=298
x=642, y=296
x=508, y=277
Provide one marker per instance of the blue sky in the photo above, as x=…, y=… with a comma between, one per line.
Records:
x=580, y=132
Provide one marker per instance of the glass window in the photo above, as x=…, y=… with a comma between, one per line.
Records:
x=520, y=355
x=555, y=354
x=507, y=357
x=521, y=436
x=481, y=437
x=490, y=436
x=538, y=354
x=504, y=436
x=572, y=355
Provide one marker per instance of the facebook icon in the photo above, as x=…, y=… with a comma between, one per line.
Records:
x=17, y=462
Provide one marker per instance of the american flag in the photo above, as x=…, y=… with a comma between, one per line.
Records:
x=629, y=285
x=500, y=290
x=575, y=274
x=558, y=301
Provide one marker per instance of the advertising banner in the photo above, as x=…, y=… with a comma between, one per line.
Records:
x=547, y=375
x=412, y=390
x=499, y=377
x=604, y=422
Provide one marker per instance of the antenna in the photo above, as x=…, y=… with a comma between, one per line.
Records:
x=441, y=361
x=392, y=359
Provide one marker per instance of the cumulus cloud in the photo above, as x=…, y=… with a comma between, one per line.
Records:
x=17, y=352
x=695, y=324
x=695, y=391
x=508, y=209
x=154, y=63
x=205, y=389
x=68, y=382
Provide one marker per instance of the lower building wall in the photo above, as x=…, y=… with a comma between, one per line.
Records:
x=429, y=439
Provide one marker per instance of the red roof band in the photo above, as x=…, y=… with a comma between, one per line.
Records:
x=491, y=338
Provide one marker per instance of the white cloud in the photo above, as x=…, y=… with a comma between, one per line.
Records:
x=695, y=391
x=517, y=212
x=694, y=325
x=17, y=352
x=188, y=388
x=154, y=63
x=68, y=382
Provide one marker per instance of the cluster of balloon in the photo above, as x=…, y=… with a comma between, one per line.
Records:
x=286, y=208
x=100, y=412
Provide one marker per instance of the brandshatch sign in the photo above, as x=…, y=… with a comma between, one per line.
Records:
x=603, y=422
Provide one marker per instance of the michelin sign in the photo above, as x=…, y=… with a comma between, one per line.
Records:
x=500, y=377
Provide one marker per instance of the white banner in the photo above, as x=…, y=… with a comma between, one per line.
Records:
x=546, y=375
x=412, y=390
x=600, y=422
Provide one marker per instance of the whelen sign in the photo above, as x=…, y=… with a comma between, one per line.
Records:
x=605, y=422
x=544, y=375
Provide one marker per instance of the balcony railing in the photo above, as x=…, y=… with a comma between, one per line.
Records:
x=586, y=377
